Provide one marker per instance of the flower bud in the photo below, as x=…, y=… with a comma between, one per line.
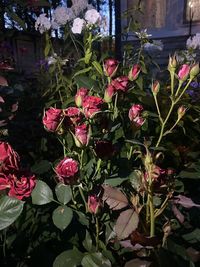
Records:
x=94, y=203
x=109, y=92
x=134, y=72
x=110, y=67
x=80, y=95
x=181, y=112
x=194, y=71
x=135, y=111
x=172, y=63
x=155, y=88
x=82, y=135
x=184, y=72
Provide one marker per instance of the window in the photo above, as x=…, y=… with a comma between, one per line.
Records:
x=192, y=10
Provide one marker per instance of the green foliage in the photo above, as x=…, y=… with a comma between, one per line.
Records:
x=42, y=193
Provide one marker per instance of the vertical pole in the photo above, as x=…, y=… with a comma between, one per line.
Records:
x=118, y=29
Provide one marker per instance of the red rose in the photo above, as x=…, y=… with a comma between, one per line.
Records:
x=4, y=181
x=82, y=135
x=104, y=149
x=120, y=83
x=9, y=159
x=94, y=203
x=22, y=187
x=91, y=105
x=109, y=92
x=67, y=170
x=52, y=118
x=134, y=72
x=74, y=115
x=135, y=111
x=80, y=95
x=110, y=67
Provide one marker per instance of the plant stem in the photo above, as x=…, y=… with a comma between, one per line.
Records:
x=152, y=218
x=97, y=232
x=172, y=82
x=158, y=109
x=83, y=198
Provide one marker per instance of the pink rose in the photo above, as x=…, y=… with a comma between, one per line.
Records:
x=52, y=119
x=120, y=83
x=184, y=72
x=9, y=159
x=135, y=111
x=138, y=122
x=74, y=115
x=22, y=187
x=92, y=105
x=94, y=203
x=80, y=95
x=67, y=170
x=110, y=67
x=109, y=92
x=82, y=135
x=134, y=72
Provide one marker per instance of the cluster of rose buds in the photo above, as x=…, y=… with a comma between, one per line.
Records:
x=135, y=115
x=13, y=180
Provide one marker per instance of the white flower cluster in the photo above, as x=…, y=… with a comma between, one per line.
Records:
x=92, y=17
x=78, y=6
x=194, y=42
x=61, y=16
x=42, y=23
x=153, y=47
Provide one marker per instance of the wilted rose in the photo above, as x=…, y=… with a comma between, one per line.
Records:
x=138, y=122
x=104, y=149
x=134, y=72
x=52, y=119
x=22, y=187
x=135, y=111
x=80, y=95
x=109, y=92
x=120, y=83
x=110, y=67
x=184, y=72
x=74, y=115
x=94, y=203
x=82, y=135
x=9, y=159
x=92, y=105
x=67, y=170
x=155, y=88
x=181, y=111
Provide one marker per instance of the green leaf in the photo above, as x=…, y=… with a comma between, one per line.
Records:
x=189, y=175
x=126, y=223
x=62, y=217
x=95, y=260
x=87, y=243
x=84, y=81
x=82, y=72
x=82, y=218
x=41, y=194
x=98, y=67
x=69, y=258
x=41, y=167
x=193, y=237
x=63, y=193
x=115, y=181
x=10, y=209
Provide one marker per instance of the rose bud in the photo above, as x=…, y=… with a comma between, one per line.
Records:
x=135, y=111
x=120, y=83
x=80, y=95
x=52, y=119
x=74, y=115
x=94, y=203
x=21, y=187
x=110, y=67
x=9, y=159
x=134, y=72
x=92, y=105
x=184, y=72
x=155, y=88
x=172, y=63
x=82, y=135
x=194, y=71
x=109, y=92
x=67, y=170
x=181, y=112
x=104, y=149
x=138, y=122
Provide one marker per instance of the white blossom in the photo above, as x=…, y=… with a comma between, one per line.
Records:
x=143, y=34
x=155, y=46
x=42, y=23
x=193, y=42
x=78, y=25
x=79, y=6
x=62, y=15
x=92, y=16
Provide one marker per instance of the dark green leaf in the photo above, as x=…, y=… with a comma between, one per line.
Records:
x=69, y=258
x=82, y=71
x=42, y=193
x=63, y=193
x=62, y=217
x=95, y=260
x=87, y=243
x=41, y=167
x=10, y=209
